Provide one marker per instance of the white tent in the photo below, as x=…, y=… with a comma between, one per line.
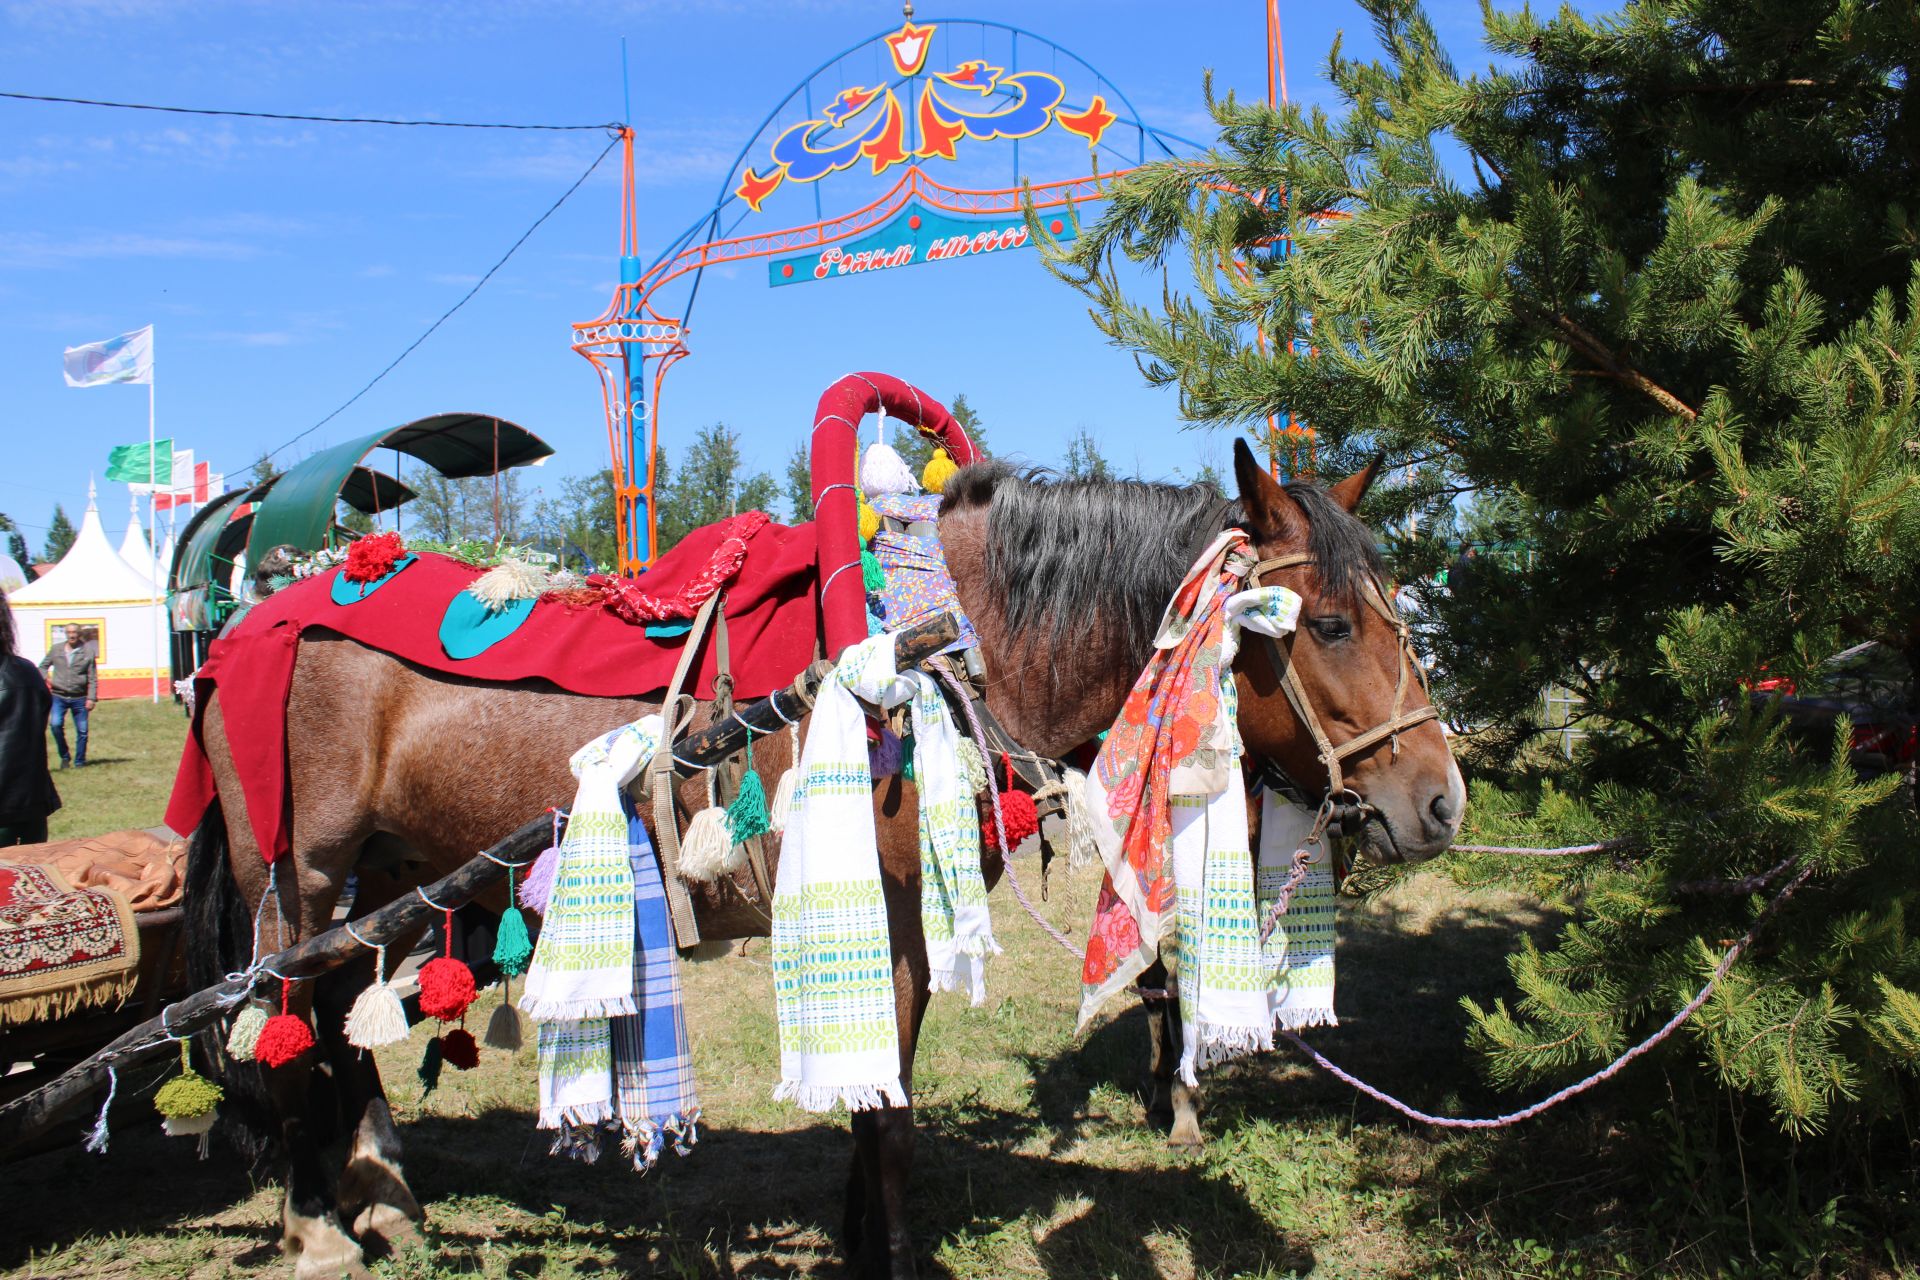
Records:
x=93, y=586
x=134, y=548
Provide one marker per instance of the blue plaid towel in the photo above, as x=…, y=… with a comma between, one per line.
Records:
x=654, y=1100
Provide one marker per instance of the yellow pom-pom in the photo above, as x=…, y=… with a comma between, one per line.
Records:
x=869, y=521
x=939, y=470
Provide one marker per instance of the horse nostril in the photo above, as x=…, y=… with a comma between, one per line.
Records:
x=1443, y=809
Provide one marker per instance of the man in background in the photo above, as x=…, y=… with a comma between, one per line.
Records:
x=72, y=671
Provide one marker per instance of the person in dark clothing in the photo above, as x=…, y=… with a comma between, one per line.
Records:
x=26, y=788
x=73, y=673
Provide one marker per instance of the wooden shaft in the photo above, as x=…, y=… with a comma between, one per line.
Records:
x=27, y=1115
x=717, y=742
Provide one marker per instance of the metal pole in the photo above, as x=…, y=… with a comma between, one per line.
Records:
x=153, y=509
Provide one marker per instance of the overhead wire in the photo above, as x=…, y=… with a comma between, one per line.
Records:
x=468, y=297
x=308, y=119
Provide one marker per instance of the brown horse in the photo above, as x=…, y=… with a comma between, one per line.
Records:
x=398, y=774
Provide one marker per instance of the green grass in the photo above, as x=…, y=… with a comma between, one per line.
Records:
x=1033, y=1158
x=132, y=748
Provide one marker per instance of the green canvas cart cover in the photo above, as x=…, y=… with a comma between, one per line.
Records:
x=298, y=510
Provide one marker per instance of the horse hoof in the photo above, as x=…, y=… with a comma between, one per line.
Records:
x=390, y=1227
x=330, y=1261
x=1186, y=1136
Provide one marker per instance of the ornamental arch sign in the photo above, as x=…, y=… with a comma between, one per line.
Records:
x=914, y=147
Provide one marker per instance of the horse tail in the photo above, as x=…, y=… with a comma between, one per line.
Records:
x=220, y=941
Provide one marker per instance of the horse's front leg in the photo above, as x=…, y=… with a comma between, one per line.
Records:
x=1185, y=1133
x=878, y=1242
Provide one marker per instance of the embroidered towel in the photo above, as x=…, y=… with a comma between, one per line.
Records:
x=582, y=970
x=654, y=1094
x=953, y=896
x=832, y=960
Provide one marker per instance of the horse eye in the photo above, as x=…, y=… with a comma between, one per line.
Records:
x=1332, y=627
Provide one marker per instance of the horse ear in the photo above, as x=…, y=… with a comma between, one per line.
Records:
x=1349, y=491
x=1273, y=516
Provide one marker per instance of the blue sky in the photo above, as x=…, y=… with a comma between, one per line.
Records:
x=284, y=264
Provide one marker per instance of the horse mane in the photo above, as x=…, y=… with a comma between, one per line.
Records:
x=1345, y=555
x=1065, y=554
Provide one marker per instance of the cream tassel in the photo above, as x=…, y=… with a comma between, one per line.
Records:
x=707, y=848
x=783, y=792
x=377, y=1017
x=247, y=1026
x=506, y=582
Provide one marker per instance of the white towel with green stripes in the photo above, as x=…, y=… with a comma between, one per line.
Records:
x=832, y=958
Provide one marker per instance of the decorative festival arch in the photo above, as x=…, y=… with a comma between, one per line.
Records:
x=998, y=113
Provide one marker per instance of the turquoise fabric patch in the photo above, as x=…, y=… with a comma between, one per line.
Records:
x=469, y=628
x=667, y=630
x=345, y=592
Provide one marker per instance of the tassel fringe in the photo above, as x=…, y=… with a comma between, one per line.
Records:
x=504, y=1030
x=884, y=471
x=819, y=1098
x=506, y=582
x=707, y=851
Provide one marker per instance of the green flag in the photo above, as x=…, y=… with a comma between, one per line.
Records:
x=129, y=462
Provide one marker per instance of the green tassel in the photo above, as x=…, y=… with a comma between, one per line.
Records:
x=871, y=573
x=188, y=1096
x=747, y=816
x=512, y=948
x=430, y=1067
x=906, y=759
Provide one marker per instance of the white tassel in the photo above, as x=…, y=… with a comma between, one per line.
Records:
x=783, y=799
x=707, y=851
x=783, y=792
x=883, y=472
x=187, y=1126
x=1082, y=849
x=377, y=1017
x=506, y=582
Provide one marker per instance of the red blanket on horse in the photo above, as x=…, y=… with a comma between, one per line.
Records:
x=773, y=631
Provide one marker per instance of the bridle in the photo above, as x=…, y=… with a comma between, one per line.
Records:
x=1375, y=597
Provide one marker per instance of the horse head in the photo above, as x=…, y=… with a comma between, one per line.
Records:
x=1348, y=671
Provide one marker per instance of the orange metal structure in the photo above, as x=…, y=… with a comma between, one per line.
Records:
x=944, y=100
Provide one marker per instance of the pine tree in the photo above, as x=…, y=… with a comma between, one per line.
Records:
x=16, y=542
x=1084, y=461
x=577, y=524
x=60, y=536
x=708, y=486
x=1648, y=290
x=969, y=419
x=797, y=484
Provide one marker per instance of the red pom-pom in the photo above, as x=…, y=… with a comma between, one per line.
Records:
x=1020, y=817
x=446, y=988
x=460, y=1049
x=372, y=557
x=284, y=1038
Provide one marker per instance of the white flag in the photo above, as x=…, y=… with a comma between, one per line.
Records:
x=127, y=358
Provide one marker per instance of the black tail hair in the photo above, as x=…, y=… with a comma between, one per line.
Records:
x=219, y=942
